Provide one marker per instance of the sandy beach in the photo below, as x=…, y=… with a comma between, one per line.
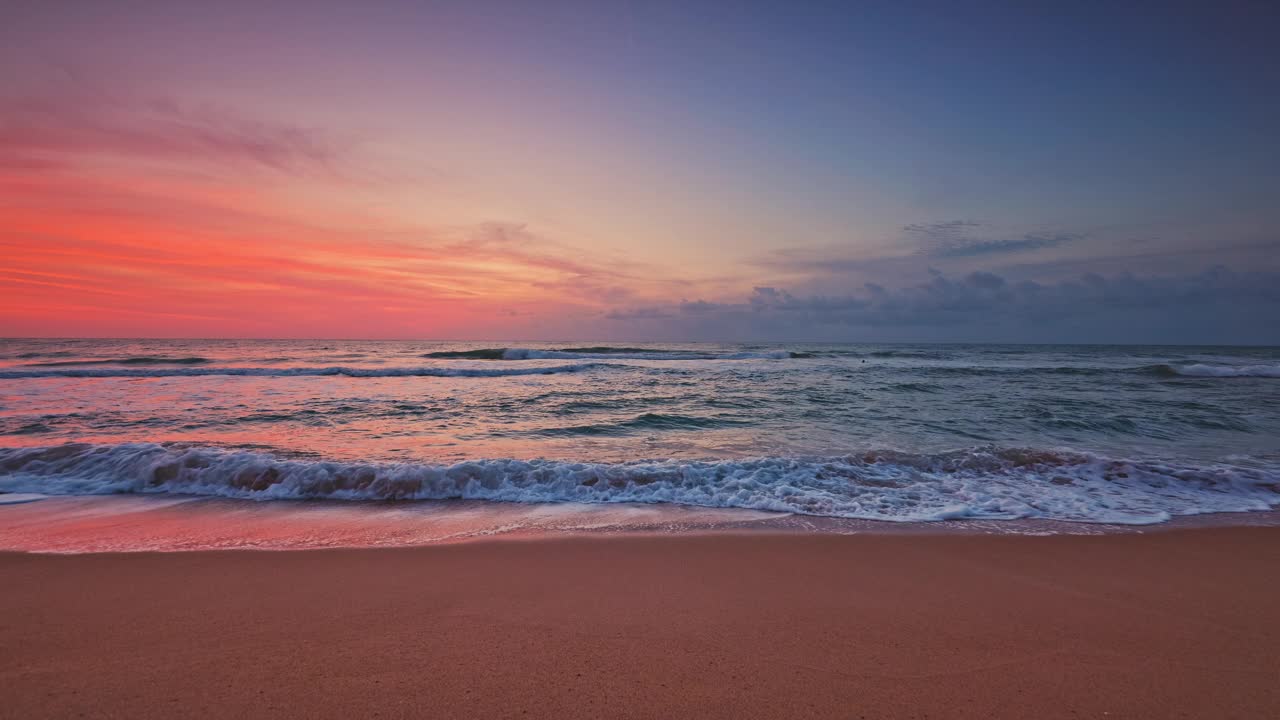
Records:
x=1160, y=625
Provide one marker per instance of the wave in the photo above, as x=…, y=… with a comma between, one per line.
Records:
x=910, y=354
x=644, y=422
x=28, y=429
x=51, y=353
x=877, y=354
x=125, y=361
x=299, y=372
x=977, y=483
x=1165, y=370
x=154, y=367
x=481, y=354
x=983, y=370
x=602, y=352
x=1215, y=371
x=916, y=387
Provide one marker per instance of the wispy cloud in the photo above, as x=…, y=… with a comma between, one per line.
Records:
x=66, y=130
x=641, y=313
x=173, y=255
x=137, y=216
x=967, y=238
x=177, y=211
x=942, y=230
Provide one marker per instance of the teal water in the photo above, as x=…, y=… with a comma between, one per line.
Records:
x=897, y=432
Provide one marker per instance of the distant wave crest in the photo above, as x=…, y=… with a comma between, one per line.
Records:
x=1217, y=371
x=125, y=361
x=1165, y=370
x=981, y=483
x=604, y=352
x=100, y=372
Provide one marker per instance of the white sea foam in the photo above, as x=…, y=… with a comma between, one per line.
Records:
x=531, y=354
x=979, y=483
x=1202, y=370
x=102, y=372
x=20, y=498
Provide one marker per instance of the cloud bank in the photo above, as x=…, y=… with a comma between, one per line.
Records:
x=1217, y=305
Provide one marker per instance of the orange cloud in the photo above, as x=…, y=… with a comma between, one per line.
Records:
x=141, y=222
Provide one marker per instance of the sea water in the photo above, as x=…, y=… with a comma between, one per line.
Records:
x=607, y=434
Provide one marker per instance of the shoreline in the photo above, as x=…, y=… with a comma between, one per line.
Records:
x=1176, y=623
x=168, y=523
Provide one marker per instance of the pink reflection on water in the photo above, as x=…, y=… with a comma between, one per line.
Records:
x=132, y=524
x=170, y=524
x=440, y=419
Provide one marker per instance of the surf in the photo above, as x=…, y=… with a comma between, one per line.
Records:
x=982, y=483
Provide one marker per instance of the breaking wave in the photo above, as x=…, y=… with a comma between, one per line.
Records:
x=978, y=483
x=602, y=352
x=99, y=372
x=1165, y=370
x=1217, y=371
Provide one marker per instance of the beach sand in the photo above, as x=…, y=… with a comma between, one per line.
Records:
x=1161, y=625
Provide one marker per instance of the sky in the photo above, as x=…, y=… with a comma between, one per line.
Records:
x=661, y=171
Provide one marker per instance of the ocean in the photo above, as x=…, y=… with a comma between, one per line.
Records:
x=173, y=444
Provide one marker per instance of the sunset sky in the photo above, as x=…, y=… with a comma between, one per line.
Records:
x=641, y=170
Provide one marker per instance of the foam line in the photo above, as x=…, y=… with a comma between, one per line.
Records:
x=978, y=483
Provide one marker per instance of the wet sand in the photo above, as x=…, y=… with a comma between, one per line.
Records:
x=1163, y=625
